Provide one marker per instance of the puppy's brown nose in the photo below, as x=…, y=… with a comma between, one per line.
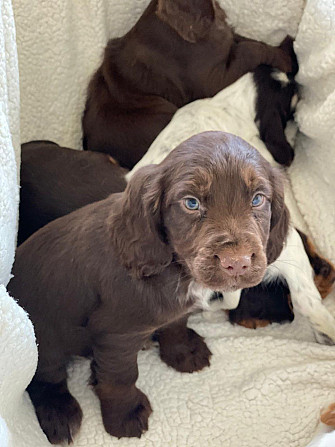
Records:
x=235, y=264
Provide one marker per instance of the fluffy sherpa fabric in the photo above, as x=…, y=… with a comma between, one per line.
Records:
x=18, y=360
x=9, y=140
x=18, y=351
x=60, y=44
x=313, y=173
x=265, y=387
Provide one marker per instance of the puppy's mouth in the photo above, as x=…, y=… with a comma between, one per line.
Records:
x=212, y=275
x=232, y=283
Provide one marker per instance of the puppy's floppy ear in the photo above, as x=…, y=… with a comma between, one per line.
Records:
x=191, y=19
x=137, y=226
x=280, y=217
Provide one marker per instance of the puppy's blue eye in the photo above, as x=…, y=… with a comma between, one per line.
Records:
x=191, y=203
x=258, y=200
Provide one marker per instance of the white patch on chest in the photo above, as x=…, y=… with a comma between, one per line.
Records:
x=201, y=296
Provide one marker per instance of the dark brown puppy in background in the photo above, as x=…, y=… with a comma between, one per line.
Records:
x=102, y=279
x=178, y=51
x=57, y=180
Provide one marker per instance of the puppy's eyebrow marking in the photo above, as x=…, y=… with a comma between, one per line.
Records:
x=254, y=181
x=249, y=176
x=199, y=182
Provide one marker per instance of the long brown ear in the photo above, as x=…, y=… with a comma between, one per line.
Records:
x=191, y=19
x=280, y=217
x=136, y=225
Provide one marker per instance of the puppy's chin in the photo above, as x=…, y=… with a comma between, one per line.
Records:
x=218, y=280
x=231, y=284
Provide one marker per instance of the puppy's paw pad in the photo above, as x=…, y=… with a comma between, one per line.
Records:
x=188, y=355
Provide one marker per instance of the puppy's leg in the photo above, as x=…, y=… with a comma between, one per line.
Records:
x=182, y=348
x=58, y=412
x=293, y=264
x=125, y=409
x=248, y=54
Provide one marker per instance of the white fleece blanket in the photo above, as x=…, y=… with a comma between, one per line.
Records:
x=265, y=387
x=18, y=352
x=313, y=172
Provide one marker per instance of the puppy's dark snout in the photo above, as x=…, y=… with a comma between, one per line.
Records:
x=235, y=264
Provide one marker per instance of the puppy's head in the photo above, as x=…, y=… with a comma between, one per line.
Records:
x=192, y=19
x=214, y=205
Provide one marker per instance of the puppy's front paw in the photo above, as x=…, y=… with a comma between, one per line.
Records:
x=126, y=418
x=188, y=354
x=59, y=415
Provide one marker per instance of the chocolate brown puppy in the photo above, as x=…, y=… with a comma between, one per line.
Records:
x=177, y=52
x=99, y=281
x=56, y=180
